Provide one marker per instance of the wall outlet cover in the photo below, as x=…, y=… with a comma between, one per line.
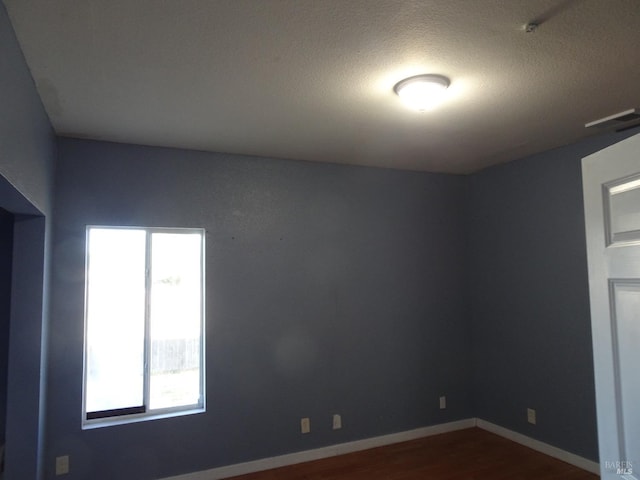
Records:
x=305, y=425
x=531, y=416
x=337, y=422
x=62, y=465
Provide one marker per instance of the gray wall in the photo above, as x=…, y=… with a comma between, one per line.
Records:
x=27, y=147
x=336, y=289
x=26, y=139
x=529, y=297
x=330, y=289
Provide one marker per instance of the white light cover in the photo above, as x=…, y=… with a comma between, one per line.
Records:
x=422, y=92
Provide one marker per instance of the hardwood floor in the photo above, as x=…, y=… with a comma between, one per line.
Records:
x=471, y=454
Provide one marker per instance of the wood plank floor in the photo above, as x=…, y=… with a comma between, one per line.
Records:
x=471, y=454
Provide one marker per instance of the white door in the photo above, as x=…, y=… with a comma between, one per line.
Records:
x=611, y=182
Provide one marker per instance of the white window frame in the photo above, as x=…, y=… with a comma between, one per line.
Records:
x=130, y=415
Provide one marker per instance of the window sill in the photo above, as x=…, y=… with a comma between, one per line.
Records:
x=142, y=417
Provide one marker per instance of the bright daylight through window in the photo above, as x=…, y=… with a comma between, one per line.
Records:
x=144, y=323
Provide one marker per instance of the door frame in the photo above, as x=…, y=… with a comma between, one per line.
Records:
x=26, y=375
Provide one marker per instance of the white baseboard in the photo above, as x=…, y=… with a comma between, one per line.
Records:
x=541, y=447
x=367, y=443
x=324, y=452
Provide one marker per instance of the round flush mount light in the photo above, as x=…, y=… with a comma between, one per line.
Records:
x=422, y=92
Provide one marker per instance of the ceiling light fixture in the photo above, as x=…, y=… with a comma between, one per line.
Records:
x=422, y=92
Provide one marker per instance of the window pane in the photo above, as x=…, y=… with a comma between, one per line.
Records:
x=115, y=318
x=175, y=319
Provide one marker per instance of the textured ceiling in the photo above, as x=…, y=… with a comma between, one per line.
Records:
x=313, y=79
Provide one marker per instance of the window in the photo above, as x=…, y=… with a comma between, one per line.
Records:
x=144, y=324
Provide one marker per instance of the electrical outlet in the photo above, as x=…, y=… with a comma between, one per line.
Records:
x=305, y=425
x=531, y=416
x=337, y=422
x=443, y=402
x=62, y=465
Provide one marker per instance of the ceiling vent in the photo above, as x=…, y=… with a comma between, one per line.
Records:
x=618, y=121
